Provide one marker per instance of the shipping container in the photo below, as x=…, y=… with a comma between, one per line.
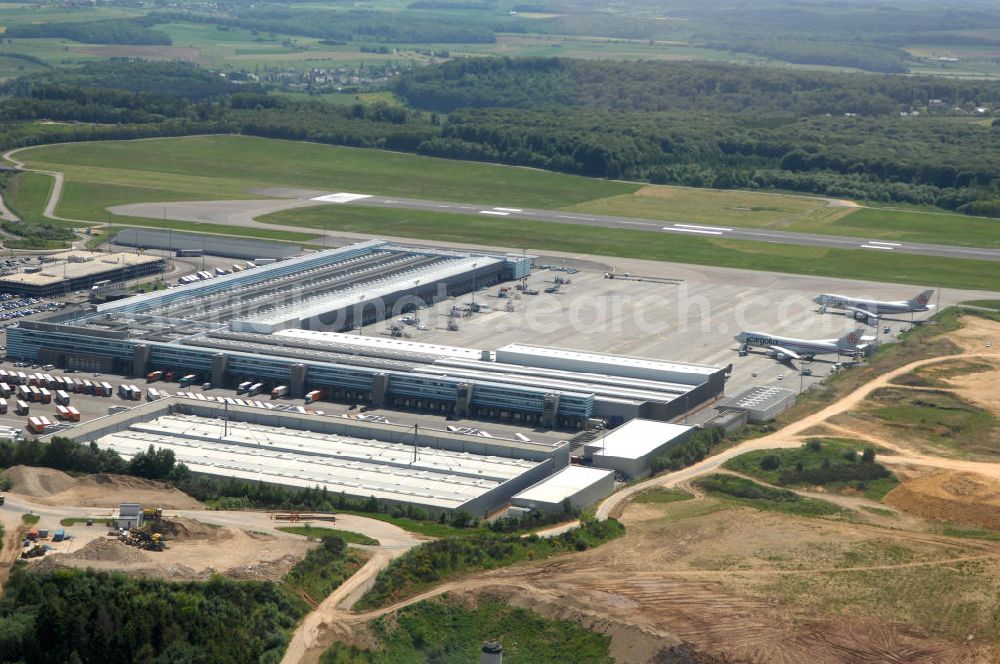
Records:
x=152, y=394
x=78, y=384
x=62, y=412
x=5, y=390
x=136, y=393
x=41, y=380
x=58, y=535
x=74, y=414
x=315, y=395
x=107, y=390
x=244, y=386
x=62, y=398
x=33, y=380
x=122, y=391
x=33, y=534
x=46, y=395
x=36, y=394
x=35, y=425
x=22, y=378
x=3, y=406
x=21, y=408
x=88, y=387
x=279, y=391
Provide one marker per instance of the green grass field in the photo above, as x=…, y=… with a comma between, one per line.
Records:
x=936, y=419
x=659, y=496
x=806, y=461
x=319, y=533
x=751, y=494
x=27, y=194
x=110, y=173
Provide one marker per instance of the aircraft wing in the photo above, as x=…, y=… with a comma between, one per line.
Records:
x=866, y=312
x=785, y=352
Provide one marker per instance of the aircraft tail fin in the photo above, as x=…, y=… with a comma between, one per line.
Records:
x=923, y=298
x=851, y=339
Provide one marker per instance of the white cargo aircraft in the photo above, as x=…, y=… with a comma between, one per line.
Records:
x=863, y=309
x=786, y=348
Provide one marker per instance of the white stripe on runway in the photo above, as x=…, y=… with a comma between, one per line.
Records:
x=342, y=197
x=691, y=230
x=508, y=209
x=872, y=246
x=569, y=216
x=888, y=244
x=704, y=228
x=494, y=212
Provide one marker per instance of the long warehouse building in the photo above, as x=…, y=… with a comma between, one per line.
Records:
x=436, y=470
x=279, y=324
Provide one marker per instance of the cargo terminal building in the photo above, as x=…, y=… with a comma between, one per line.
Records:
x=441, y=471
x=280, y=324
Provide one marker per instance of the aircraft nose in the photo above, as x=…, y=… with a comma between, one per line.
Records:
x=818, y=299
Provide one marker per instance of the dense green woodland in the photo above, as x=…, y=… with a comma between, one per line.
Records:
x=692, y=124
x=75, y=616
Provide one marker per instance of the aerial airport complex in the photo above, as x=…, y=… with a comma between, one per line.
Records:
x=292, y=327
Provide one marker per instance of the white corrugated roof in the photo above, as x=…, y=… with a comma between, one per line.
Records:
x=305, y=458
x=565, y=484
x=602, y=358
x=339, y=339
x=637, y=438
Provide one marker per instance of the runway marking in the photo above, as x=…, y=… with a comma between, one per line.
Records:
x=873, y=246
x=494, y=212
x=691, y=230
x=342, y=197
x=888, y=244
x=704, y=228
x=570, y=216
x=502, y=209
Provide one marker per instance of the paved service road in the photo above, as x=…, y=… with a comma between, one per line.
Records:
x=680, y=228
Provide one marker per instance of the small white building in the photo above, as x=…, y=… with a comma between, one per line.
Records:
x=580, y=485
x=631, y=448
x=129, y=516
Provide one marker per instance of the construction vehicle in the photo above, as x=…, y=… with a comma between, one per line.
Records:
x=36, y=551
x=142, y=540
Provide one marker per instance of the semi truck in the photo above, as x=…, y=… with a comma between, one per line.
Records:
x=244, y=386
x=187, y=380
x=154, y=376
x=107, y=390
x=255, y=389
x=315, y=395
x=279, y=391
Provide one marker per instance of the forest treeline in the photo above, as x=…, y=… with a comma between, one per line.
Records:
x=78, y=616
x=135, y=31
x=691, y=124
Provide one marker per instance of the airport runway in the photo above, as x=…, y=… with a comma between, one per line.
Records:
x=680, y=228
x=245, y=213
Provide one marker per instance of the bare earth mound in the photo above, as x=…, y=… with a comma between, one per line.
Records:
x=37, y=482
x=951, y=496
x=102, y=490
x=104, y=550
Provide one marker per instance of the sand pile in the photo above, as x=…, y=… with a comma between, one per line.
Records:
x=951, y=496
x=187, y=530
x=104, y=490
x=101, y=550
x=37, y=482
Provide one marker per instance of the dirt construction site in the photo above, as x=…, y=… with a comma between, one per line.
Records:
x=700, y=579
x=707, y=580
